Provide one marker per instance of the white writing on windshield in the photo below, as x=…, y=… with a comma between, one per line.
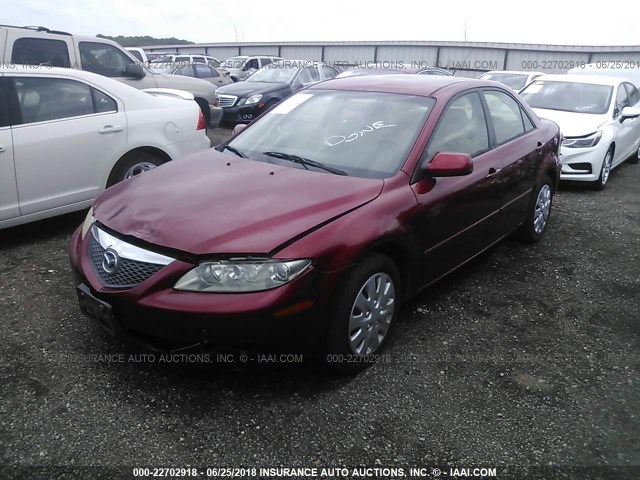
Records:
x=338, y=139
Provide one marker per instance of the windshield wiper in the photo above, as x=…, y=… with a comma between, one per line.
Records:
x=305, y=162
x=234, y=150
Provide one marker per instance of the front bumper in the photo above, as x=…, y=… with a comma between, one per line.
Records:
x=291, y=318
x=215, y=116
x=243, y=113
x=582, y=164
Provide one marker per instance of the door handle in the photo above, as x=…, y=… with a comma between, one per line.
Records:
x=493, y=172
x=1, y=149
x=539, y=147
x=110, y=129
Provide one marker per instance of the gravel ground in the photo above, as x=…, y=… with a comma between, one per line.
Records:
x=527, y=356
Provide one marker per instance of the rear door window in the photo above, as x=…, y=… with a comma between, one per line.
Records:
x=186, y=71
x=205, y=71
x=103, y=103
x=40, y=51
x=42, y=99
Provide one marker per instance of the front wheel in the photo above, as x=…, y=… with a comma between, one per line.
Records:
x=365, y=312
x=605, y=171
x=538, y=212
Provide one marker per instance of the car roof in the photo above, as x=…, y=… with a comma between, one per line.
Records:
x=592, y=79
x=121, y=90
x=423, y=85
x=513, y=72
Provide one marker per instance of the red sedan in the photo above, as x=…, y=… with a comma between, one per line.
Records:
x=308, y=229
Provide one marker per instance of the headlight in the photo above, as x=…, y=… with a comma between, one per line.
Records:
x=88, y=221
x=582, y=142
x=241, y=275
x=253, y=99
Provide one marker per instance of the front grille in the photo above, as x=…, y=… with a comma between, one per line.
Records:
x=129, y=274
x=227, y=100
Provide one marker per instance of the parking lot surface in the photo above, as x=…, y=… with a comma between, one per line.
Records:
x=526, y=356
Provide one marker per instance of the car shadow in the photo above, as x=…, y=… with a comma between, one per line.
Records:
x=34, y=232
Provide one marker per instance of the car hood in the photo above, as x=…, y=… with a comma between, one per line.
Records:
x=220, y=203
x=180, y=82
x=245, y=88
x=573, y=124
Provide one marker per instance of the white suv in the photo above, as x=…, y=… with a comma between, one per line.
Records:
x=43, y=47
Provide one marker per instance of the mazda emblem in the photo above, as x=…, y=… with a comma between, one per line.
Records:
x=110, y=261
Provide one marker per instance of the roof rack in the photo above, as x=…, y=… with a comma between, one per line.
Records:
x=38, y=29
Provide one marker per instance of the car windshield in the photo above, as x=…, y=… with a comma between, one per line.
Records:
x=274, y=74
x=568, y=96
x=515, y=81
x=365, y=134
x=233, y=62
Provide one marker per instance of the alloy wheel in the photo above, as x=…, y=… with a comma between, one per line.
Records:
x=606, y=169
x=139, y=168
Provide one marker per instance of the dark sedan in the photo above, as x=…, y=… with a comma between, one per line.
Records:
x=244, y=101
x=308, y=229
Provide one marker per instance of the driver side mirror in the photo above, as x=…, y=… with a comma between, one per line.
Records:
x=630, y=112
x=447, y=164
x=134, y=70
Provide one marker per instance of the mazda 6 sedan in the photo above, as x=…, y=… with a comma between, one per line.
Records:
x=308, y=229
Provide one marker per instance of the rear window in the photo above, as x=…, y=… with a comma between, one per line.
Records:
x=40, y=51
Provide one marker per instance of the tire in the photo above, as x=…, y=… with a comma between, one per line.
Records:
x=132, y=164
x=635, y=158
x=605, y=171
x=538, y=212
x=351, y=347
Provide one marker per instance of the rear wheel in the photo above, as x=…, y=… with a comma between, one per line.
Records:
x=538, y=212
x=605, y=171
x=364, y=315
x=133, y=164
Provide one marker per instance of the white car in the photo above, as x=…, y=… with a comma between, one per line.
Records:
x=598, y=117
x=629, y=71
x=66, y=135
x=514, y=79
x=169, y=62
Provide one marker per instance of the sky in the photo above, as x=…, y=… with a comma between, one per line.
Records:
x=543, y=21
